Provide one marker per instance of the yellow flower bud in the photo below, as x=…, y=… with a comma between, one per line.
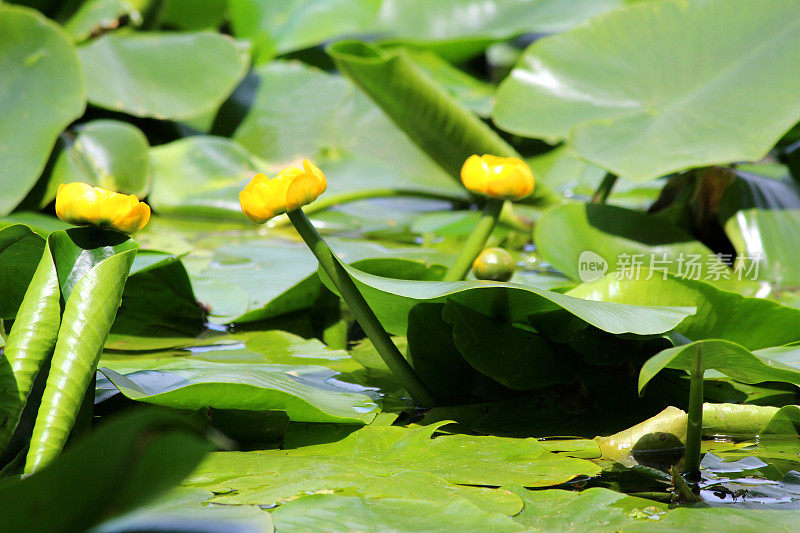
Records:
x=82, y=205
x=494, y=264
x=291, y=189
x=498, y=177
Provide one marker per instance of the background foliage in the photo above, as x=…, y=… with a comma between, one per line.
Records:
x=688, y=109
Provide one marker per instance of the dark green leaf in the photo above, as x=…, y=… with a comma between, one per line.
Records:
x=20, y=252
x=122, y=465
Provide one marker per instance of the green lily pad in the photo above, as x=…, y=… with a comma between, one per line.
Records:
x=760, y=235
x=460, y=27
x=301, y=112
x=721, y=519
x=43, y=91
x=161, y=75
x=393, y=299
x=201, y=176
x=731, y=359
x=101, y=15
x=584, y=241
x=262, y=278
x=305, y=392
x=752, y=322
x=104, y=153
x=594, y=509
x=330, y=512
x=273, y=476
x=620, y=107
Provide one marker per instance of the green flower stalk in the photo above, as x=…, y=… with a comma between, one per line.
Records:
x=499, y=179
x=264, y=198
x=694, y=425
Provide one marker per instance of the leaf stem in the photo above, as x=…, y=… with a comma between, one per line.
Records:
x=476, y=241
x=604, y=189
x=361, y=310
x=694, y=427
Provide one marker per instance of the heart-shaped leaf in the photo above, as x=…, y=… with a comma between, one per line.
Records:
x=627, y=92
x=161, y=75
x=42, y=91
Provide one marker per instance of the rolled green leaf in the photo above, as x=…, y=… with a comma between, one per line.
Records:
x=92, y=267
x=443, y=128
x=29, y=344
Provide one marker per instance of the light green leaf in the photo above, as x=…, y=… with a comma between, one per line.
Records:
x=41, y=91
x=661, y=86
x=161, y=75
x=461, y=28
x=303, y=112
x=434, y=120
x=667, y=429
x=333, y=513
x=274, y=347
x=623, y=239
x=393, y=299
x=92, y=267
x=595, y=509
x=731, y=359
x=760, y=236
x=201, y=176
x=429, y=487
x=234, y=286
x=303, y=391
x=269, y=476
x=29, y=344
x=100, y=15
x=752, y=322
x=721, y=519
x=104, y=153
x=473, y=93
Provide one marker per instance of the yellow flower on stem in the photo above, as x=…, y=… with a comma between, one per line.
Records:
x=264, y=198
x=290, y=190
x=83, y=205
x=507, y=178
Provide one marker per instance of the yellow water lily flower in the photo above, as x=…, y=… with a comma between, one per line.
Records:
x=264, y=198
x=507, y=178
x=81, y=204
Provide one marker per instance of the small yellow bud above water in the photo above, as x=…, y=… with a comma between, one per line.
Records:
x=507, y=178
x=264, y=198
